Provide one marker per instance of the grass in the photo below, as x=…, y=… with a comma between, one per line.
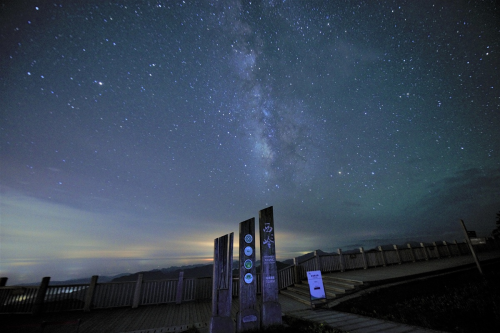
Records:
x=457, y=302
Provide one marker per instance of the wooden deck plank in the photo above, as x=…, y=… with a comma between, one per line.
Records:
x=127, y=319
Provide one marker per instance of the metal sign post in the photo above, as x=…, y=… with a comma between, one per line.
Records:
x=270, y=307
x=248, y=316
x=222, y=287
x=316, y=288
x=467, y=238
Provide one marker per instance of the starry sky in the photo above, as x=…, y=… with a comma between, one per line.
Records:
x=133, y=133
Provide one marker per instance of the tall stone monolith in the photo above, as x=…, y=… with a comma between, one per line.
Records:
x=248, y=316
x=270, y=312
x=222, y=287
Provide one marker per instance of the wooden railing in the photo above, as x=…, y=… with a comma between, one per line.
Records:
x=59, y=298
x=113, y=294
x=161, y=291
x=331, y=262
x=33, y=299
x=17, y=299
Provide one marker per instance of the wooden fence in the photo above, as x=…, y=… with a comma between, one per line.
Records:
x=332, y=262
x=47, y=298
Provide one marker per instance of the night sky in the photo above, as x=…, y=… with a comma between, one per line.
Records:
x=133, y=133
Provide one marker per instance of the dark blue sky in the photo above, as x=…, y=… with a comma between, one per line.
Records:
x=133, y=133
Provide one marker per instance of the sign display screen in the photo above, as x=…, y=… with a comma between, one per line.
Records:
x=316, y=287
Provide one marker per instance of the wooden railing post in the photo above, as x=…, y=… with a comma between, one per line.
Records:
x=466, y=246
x=382, y=254
x=412, y=252
x=467, y=239
x=341, y=260
x=137, y=291
x=89, y=296
x=458, y=247
x=497, y=243
x=3, y=282
x=426, y=255
x=447, y=248
x=363, y=255
x=437, y=250
x=40, y=295
x=296, y=271
x=317, y=260
x=180, y=286
x=397, y=253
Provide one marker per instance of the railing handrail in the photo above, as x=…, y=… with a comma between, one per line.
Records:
x=67, y=285
x=157, y=280
x=19, y=287
x=117, y=282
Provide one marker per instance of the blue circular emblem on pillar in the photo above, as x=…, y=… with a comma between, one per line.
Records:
x=248, y=251
x=248, y=278
x=248, y=238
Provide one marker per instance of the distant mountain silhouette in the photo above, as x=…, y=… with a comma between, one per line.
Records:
x=194, y=271
x=177, y=268
x=101, y=279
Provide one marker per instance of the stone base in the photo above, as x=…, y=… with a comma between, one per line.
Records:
x=221, y=325
x=247, y=320
x=270, y=314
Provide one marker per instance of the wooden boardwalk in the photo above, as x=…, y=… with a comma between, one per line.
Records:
x=356, y=324
x=169, y=317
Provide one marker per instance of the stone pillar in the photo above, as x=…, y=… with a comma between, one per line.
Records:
x=398, y=254
x=40, y=295
x=89, y=296
x=341, y=260
x=363, y=255
x=317, y=260
x=270, y=307
x=222, y=287
x=426, y=255
x=411, y=252
x=3, y=281
x=248, y=316
x=180, y=288
x=382, y=254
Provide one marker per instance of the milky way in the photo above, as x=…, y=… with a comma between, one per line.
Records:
x=144, y=131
